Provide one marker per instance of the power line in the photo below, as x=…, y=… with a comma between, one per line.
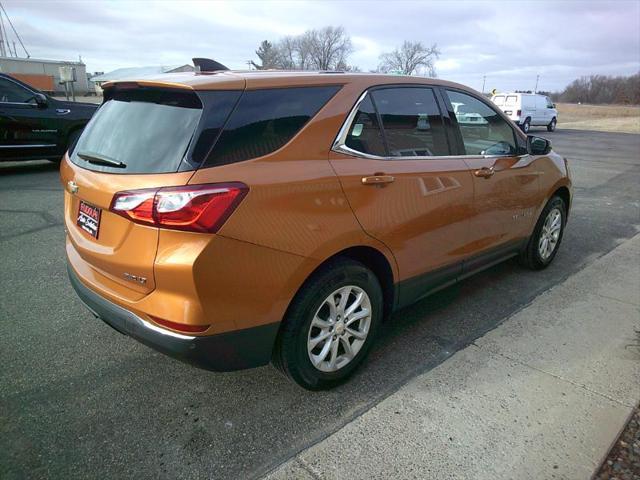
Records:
x=15, y=31
x=4, y=39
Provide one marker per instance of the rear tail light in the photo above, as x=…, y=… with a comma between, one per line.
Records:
x=195, y=208
x=519, y=112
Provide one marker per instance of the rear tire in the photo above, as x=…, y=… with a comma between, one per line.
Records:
x=526, y=125
x=547, y=236
x=552, y=126
x=320, y=346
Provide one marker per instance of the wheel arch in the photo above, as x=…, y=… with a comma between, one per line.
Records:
x=370, y=257
x=564, y=193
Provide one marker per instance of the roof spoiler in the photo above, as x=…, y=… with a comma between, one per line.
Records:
x=208, y=65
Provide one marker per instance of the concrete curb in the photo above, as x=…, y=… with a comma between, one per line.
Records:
x=544, y=395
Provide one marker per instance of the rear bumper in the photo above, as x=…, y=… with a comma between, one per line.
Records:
x=224, y=352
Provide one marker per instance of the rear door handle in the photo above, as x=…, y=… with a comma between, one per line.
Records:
x=485, y=172
x=377, y=179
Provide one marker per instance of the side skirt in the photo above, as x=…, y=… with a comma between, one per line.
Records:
x=416, y=288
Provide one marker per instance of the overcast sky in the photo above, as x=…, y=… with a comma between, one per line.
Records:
x=508, y=41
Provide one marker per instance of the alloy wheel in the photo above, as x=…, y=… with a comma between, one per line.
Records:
x=339, y=328
x=550, y=233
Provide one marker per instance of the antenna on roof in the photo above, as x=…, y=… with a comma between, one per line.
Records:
x=208, y=65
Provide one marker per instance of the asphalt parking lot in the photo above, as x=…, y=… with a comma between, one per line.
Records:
x=79, y=400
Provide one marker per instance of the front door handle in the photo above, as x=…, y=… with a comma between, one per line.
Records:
x=377, y=180
x=485, y=172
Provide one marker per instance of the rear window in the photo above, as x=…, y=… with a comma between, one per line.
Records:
x=499, y=100
x=139, y=131
x=264, y=120
x=512, y=100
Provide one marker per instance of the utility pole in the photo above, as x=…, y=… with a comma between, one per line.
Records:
x=484, y=78
x=250, y=64
x=536, y=89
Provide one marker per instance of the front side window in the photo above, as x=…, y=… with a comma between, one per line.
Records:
x=411, y=122
x=483, y=130
x=264, y=120
x=549, y=102
x=11, y=92
x=364, y=134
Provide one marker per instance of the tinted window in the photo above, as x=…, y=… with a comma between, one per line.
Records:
x=147, y=130
x=264, y=120
x=365, y=135
x=217, y=105
x=12, y=92
x=484, y=132
x=411, y=122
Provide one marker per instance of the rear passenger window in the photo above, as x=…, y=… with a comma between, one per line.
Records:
x=365, y=135
x=411, y=122
x=264, y=120
x=483, y=130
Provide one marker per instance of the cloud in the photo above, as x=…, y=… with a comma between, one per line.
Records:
x=508, y=42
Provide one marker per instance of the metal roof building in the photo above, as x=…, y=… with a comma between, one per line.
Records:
x=44, y=74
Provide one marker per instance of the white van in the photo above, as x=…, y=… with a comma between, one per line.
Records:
x=528, y=109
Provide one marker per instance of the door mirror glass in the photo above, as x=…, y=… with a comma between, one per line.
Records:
x=538, y=145
x=41, y=99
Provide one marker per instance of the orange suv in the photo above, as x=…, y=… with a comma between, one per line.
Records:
x=229, y=219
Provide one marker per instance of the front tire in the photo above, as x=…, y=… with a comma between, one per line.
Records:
x=330, y=325
x=526, y=125
x=552, y=126
x=547, y=236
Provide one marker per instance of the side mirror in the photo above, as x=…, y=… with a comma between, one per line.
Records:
x=553, y=105
x=538, y=145
x=41, y=100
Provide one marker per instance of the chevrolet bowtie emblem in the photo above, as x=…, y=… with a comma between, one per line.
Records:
x=72, y=187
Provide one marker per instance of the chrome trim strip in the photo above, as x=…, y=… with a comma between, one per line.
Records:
x=344, y=130
x=20, y=103
x=44, y=145
x=157, y=329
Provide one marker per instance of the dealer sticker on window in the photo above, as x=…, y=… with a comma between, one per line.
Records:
x=89, y=218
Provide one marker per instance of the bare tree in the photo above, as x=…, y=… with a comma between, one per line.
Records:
x=325, y=49
x=410, y=58
x=287, y=56
x=328, y=47
x=603, y=89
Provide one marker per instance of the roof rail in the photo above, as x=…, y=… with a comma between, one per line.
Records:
x=208, y=65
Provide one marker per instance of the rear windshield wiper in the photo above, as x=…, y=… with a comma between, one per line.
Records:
x=98, y=159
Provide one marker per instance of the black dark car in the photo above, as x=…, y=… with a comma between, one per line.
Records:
x=34, y=126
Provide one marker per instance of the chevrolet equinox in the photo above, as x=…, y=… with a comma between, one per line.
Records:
x=230, y=219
